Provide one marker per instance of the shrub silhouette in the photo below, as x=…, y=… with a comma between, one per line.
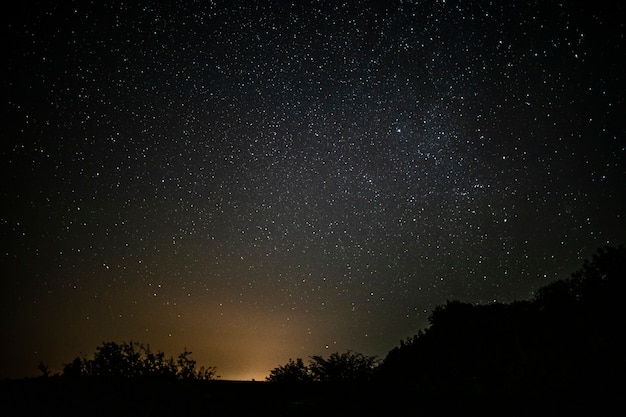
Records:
x=559, y=352
x=292, y=372
x=343, y=367
x=349, y=366
x=43, y=368
x=135, y=360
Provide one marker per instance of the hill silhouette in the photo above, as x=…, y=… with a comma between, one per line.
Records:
x=560, y=352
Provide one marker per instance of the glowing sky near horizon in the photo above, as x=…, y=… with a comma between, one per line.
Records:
x=259, y=181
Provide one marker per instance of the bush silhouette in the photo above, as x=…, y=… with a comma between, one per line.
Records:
x=559, y=352
x=343, y=367
x=292, y=372
x=339, y=367
x=135, y=360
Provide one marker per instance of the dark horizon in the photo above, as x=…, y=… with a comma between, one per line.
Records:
x=553, y=354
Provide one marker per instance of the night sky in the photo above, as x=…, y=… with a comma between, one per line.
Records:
x=259, y=181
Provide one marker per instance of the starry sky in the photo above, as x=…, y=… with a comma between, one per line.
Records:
x=264, y=180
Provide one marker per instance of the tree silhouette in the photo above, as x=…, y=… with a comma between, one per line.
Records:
x=43, y=368
x=343, y=367
x=598, y=283
x=77, y=368
x=582, y=322
x=135, y=360
x=339, y=367
x=292, y=372
x=562, y=349
x=557, y=353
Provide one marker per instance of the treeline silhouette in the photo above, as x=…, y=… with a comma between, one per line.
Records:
x=563, y=349
x=135, y=360
x=339, y=367
x=560, y=352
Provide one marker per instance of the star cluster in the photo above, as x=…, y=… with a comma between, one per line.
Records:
x=264, y=180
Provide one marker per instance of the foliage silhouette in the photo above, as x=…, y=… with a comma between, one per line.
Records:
x=135, y=360
x=343, y=367
x=339, y=367
x=558, y=353
x=43, y=368
x=559, y=350
x=292, y=372
x=599, y=282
